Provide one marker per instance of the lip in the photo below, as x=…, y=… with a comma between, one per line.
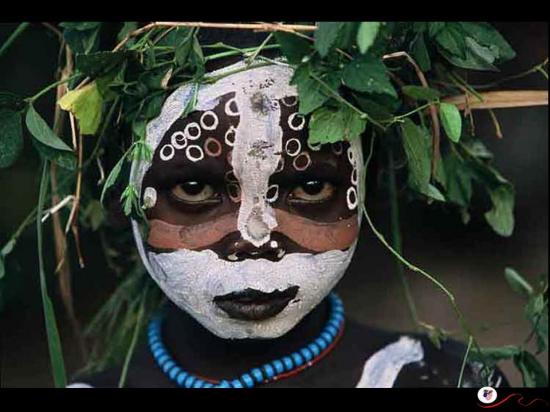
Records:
x=252, y=304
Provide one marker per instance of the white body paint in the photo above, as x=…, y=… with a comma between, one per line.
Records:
x=192, y=279
x=382, y=368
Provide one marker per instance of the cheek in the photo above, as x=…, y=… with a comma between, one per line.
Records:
x=318, y=236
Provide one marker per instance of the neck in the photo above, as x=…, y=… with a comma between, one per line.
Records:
x=200, y=352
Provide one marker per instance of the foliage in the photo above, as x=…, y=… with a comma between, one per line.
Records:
x=383, y=78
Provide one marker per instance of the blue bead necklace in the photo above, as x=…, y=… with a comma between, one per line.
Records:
x=268, y=372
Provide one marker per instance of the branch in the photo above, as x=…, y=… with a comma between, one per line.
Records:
x=433, y=107
x=502, y=99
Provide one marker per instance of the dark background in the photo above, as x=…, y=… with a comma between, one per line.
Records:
x=470, y=259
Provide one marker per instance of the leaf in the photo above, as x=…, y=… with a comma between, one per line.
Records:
x=329, y=126
x=459, y=180
x=326, y=35
x=518, y=283
x=86, y=104
x=313, y=94
x=486, y=35
x=367, y=34
x=501, y=216
x=64, y=159
x=420, y=53
x=42, y=132
x=113, y=176
x=129, y=199
x=11, y=137
x=417, y=150
x=127, y=28
x=451, y=120
x=494, y=354
x=294, y=48
x=96, y=64
x=368, y=74
x=82, y=37
x=536, y=311
x=421, y=93
x=532, y=372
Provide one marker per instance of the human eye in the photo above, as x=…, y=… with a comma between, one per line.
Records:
x=194, y=192
x=312, y=191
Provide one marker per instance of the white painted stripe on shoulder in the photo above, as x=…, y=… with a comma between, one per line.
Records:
x=382, y=368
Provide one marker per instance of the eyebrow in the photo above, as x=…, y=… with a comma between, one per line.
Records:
x=210, y=170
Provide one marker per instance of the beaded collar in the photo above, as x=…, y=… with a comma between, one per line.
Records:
x=277, y=369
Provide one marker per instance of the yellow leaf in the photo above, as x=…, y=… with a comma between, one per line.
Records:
x=86, y=104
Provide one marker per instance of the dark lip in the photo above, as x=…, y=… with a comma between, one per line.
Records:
x=252, y=304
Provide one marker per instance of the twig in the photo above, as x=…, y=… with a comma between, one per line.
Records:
x=433, y=108
x=16, y=33
x=498, y=130
x=502, y=99
x=57, y=207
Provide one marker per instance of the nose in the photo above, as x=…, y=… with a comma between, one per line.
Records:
x=242, y=249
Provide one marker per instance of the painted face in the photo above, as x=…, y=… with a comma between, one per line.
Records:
x=250, y=227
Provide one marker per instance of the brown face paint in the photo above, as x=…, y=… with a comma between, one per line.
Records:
x=309, y=234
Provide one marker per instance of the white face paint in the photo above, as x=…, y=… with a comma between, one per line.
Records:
x=191, y=279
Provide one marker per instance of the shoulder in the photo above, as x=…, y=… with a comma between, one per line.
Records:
x=142, y=373
x=401, y=359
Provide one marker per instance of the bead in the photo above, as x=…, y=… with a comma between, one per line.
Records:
x=298, y=360
x=158, y=353
x=162, y=359
x=181, y=378
x=327, y=337
x=168, y=365
x=314, y=349
x=174, y=372
x=189, y=381
x=208, y=385
x=306, y=354
x=269, y=372
x=278, y=365
x=332, y=330
x=247, y=380
x=236, y=384
x=288, y=363
x=223, y=384
x=321, y=343
x=257, y=374
x=198, y=383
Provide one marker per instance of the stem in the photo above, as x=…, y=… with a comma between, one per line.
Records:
x=50, y=87
x=259, y=49
x=133, y=343
x=396, y=238
x=233, y=51
x=459, y=384
x=16, y=33
x=337, y=96
x=54, y=342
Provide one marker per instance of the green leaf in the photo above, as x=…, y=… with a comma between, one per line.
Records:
x=486, y=35
x=501, y=216
x=129, y=199
x=313, y=94
x=113, y=176
x=368, y=74
x=42, y=132
x=294, y=48
x=96, y=64
x=532, y=372
x=452, y=41
x=417, y=150
x=82, y=37
x=11, y=137
x=421, y=93
x=459, y=180
x=326, y=35
x=420, y=53
x=367, y=34
x=127, y=28
x=451, y=120
x=329, y=126
x=86, y=104
x=518, y=283
x=65, y=159
x=492, y=355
